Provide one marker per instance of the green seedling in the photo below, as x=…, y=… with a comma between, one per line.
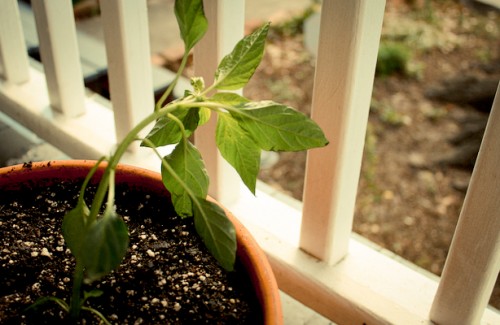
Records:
x=98, y=237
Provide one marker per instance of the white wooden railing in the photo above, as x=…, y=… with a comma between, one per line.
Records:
x=314, y=254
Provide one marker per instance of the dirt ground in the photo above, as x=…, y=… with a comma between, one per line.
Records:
x=417, y=160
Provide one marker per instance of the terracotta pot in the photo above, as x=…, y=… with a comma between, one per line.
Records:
x=249, y=253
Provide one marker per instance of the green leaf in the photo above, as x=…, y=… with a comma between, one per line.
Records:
x=277, y=127
x=43, y=300
x=191, y=20
x=231, y=99
x=198, y=84
x=216, y=231
x=92, y=294
x=183, y=204
x=105, y=246
x=239, y=149
x=166, y=131
x=188, y=172
x=74, y=226
x=204, y=115
x=236, y=68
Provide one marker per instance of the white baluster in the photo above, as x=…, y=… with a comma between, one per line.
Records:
x=349, y=39
x=59, y=52
x=473, y=262
x=225, y=21
x=13, y=55
x=126, y=33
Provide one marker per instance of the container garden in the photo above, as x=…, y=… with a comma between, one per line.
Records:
x=145, y=186
x=94, y=221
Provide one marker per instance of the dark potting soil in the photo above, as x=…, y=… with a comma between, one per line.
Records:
x=167, y=277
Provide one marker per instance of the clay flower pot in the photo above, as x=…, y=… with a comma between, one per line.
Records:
x=249, y=253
